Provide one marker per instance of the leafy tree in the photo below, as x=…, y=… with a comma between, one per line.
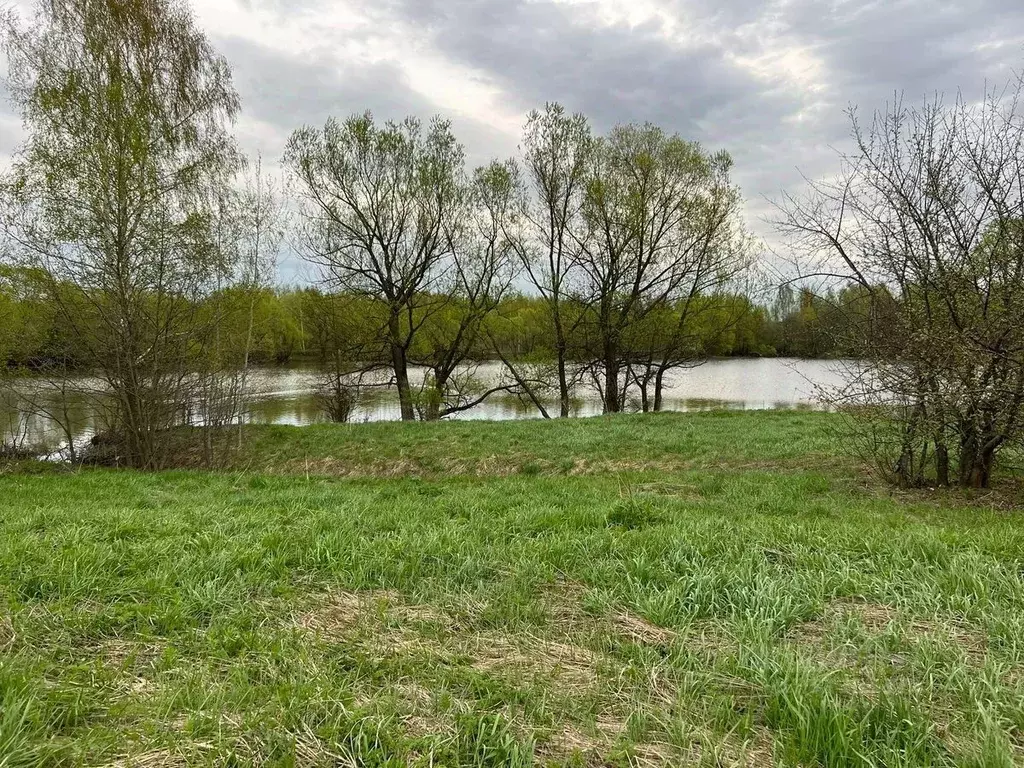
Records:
x=483, y=266
x=660, y=225
x=557, y=149
x=127, y=107
x=381, y=206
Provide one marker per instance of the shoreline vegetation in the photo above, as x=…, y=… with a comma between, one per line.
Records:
x=669, y=589
x=639, y=442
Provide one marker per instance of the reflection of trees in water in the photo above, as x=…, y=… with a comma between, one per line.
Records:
x=285, y=396
x=270, y=410
x=33, y=415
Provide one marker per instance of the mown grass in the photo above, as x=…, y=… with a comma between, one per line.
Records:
x=714, y=590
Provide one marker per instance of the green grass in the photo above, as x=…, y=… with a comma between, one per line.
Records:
x=666, y=590
x=654, y=441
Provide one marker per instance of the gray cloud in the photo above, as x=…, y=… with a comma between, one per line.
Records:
x=287, y=92
x=540, y=51
x=282, y=93
x=867, y=51
x=769, y=81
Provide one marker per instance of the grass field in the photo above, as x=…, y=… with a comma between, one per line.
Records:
x=714, y=589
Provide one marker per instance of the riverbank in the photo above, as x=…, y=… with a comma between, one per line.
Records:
x=634, y=442
x=716, y=589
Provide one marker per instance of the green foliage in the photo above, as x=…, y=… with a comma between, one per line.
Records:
x=276, y=331
x=633, y=513
x=292, y=323
x=127, y=108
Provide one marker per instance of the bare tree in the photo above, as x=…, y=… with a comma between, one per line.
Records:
x=381, y=204
x=482, y=269
x=126, y=106
x=927, y=216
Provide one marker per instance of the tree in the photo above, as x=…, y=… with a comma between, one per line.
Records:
x=926, y=219
x=661, y=225
x=557, y=150
x=481, y=273
x=261, y=213
x=345, y=331
x=127, y=107
x=381, y=208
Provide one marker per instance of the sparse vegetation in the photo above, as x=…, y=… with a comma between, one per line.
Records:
x=926, y=219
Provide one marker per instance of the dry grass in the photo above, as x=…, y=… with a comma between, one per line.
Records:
x=640, y=630
x=877, y=619
x=121, y=654
x=572, y=668
x=336, y=613
x=563, y=659
x=163, y=758
x=8, y=637
x=515, y=464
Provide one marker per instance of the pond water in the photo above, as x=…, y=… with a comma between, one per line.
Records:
x=285, y=395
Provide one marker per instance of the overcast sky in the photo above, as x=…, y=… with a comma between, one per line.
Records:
x=768, y=81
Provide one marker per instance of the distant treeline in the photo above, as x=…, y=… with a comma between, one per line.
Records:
x=309, y=324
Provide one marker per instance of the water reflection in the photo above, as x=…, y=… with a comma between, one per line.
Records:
x=285, y=396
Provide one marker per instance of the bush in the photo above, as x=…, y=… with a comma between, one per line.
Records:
x=336, y=397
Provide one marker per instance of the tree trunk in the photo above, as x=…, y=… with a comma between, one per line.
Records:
x=968, y=455
x=402, y=382
x=905, y=467
x=611, y=377
x=908, y=475
x=977, y=457
x=659, y=387
x=563, y=386
x=979, y=473
x=138, y=453
x=941, y=463
x=401, y=369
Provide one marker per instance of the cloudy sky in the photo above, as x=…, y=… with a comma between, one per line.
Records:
x=768, y=81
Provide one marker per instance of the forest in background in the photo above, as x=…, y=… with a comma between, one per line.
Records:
x=294, y=324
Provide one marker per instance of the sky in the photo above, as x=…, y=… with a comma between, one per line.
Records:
x=768, y=81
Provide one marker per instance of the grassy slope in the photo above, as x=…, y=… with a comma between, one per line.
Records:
x=636, y=591
x=659, y=441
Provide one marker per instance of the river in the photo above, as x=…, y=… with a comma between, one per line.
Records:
x=285, y=395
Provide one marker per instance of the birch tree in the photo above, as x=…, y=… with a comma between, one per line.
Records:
x=127, y=108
